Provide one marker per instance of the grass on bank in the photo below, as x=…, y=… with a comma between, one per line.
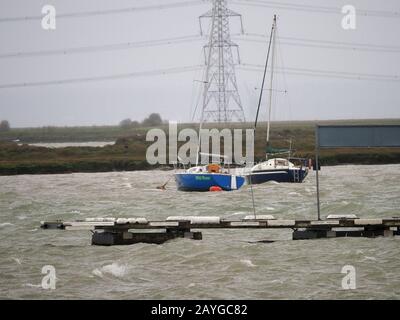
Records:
x=129, y=151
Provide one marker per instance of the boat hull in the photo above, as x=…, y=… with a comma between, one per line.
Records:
x=279, y=175
x=204, y=181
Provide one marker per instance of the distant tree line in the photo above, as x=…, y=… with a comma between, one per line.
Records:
x=152, y=120
x=4, y=126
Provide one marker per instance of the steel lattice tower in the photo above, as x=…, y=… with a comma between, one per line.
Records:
x=221, y=100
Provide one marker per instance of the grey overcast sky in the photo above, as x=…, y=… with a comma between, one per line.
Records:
x=174, y=95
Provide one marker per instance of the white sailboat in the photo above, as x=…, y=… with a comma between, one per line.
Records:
x=275, y=169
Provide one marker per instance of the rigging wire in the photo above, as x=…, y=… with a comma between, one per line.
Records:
x=199, y=95
x=265, y=68
x=197, y=90
x=193, y=111
x=285, y=82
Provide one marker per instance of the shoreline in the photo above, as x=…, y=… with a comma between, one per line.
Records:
x=124, y=165
x=128, y=153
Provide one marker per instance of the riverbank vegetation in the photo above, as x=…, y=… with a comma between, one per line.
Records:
x=129, y=151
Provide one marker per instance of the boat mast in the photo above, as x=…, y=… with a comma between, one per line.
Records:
x=199, y=144
x=206, y=84
x=271, y=80
x=265, y=73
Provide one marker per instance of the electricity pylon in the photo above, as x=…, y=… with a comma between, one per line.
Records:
x=221, y=100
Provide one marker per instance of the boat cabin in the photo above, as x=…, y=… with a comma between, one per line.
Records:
x=278, y=163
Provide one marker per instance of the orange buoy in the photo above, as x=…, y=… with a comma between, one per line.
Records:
x=215, y=189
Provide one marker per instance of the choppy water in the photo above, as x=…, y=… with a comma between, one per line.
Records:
x=226, y=264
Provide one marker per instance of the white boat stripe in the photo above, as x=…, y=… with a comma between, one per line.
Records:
x=259, y=173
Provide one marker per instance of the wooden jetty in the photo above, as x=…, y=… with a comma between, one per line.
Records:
x=110, y=231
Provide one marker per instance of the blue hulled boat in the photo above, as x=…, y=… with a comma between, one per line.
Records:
x=205, y=178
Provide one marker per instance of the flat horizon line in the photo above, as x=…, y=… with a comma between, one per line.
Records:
x=217, y=123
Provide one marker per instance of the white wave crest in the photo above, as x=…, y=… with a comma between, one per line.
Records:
x=114, y=269
x=30, y=285
x=5, y=224
x=248, y=263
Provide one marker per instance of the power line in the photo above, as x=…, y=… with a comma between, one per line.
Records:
x=326, y=46
x=107, y=12
x=313, y=8
x=100, y=48
x=292, y=41
x=101, y=78
x=193, y=38
x=327, y=41
x=326, y=73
